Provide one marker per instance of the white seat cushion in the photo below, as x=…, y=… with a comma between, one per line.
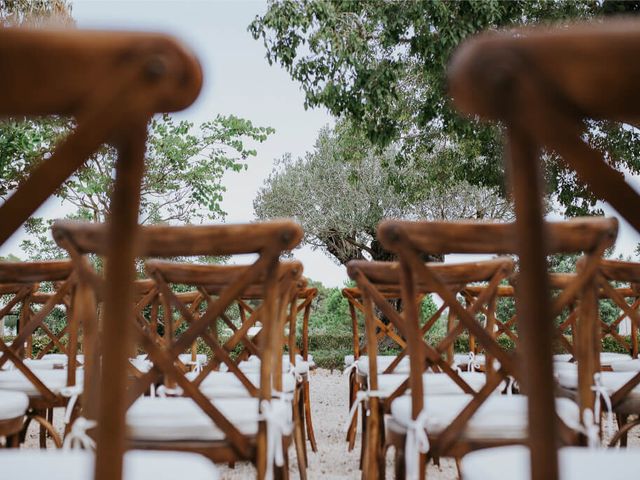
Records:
x=513, y=463
x=55, y=380
x=499, y=417
x=626, y=365
x=12, y=404
x=227, y=385
x=252, y=365
x=180, y=418
x=611, y=381
x=383, y=363
x=606, y=358
x=434, y=383
x=78, y=465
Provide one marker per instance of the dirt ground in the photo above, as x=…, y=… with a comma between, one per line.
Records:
x=329, y=395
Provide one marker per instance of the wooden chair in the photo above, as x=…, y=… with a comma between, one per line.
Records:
x=225, y=431
x=45, y=386
x=542, y=86
x=439, y=374
x=410, y=240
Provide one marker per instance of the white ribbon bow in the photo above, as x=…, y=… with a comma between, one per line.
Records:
x=163, y=391
x=417, y=442
x=72, y=393
x=293, y=371
x=590, y=429
x=77, y=438
x=361, y=396
x=353, y=366
x=601, y=392
x=278, y=425
x=473, y=365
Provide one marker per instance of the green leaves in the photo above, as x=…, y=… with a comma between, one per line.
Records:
x=185, y=166
x=382, y=66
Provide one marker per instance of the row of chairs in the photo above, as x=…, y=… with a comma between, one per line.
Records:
x=426, y=401
x=245, y=401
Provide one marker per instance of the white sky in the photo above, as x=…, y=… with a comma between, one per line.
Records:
x=237, y=80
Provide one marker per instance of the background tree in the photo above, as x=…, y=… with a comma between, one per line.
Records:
x=184, y=164
x=382, y=64
x=340, y=203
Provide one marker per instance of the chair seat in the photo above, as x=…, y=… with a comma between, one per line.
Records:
x=611, y=381
x=227, y=384
x=78, y=465
x=252, y=365
x=626, y=365
x=12, y=404
x=499, y=417
x=55, y=380
x=49, y=361
x=383, y=362
x=606, y=358
x=513, y=463
x=180, y=418
x=434, y=383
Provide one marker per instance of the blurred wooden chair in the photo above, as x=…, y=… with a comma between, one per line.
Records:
x=112, y=83
x=543, y=85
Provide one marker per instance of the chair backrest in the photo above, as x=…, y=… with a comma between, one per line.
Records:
x=267, y=240
x=20, y=281
x=411, y=240
x=375, y=278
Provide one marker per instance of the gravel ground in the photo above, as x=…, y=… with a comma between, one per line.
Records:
x=329, y=400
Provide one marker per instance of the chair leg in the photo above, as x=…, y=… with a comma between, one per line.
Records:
x=298, y=437
x=43, y=431
x=309, y=423
x=353, y=428
x=399, y=466
x=622, y=420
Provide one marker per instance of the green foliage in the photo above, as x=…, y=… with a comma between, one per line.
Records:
x=185, y=165
x=340, y=203
x=382, y=65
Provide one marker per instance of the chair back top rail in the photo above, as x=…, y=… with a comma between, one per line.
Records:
x=386, y=275
x=74, y=62
x=579, y=234
x=194, y=240
x=32, y=272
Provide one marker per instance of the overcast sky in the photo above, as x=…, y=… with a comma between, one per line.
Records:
x=237, y=80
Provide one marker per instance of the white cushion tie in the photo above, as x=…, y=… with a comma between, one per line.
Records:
x=277, y=427
x=361, y=396
x=77, y=439
x=601, y=392
x=72, y=393
x=590, y=429
x=163, y=391
x=417, y=442
x=353, y=366
x=473, y=364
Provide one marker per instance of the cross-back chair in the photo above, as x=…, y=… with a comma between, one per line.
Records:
x=543, y=86
x=216, y=436
x=375, y=281
x=46, y=386
x=410, y=240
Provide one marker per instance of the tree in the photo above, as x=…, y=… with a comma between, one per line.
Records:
x=35, y=12
x=340, y=203
x=382, y=65
x=182, y=182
